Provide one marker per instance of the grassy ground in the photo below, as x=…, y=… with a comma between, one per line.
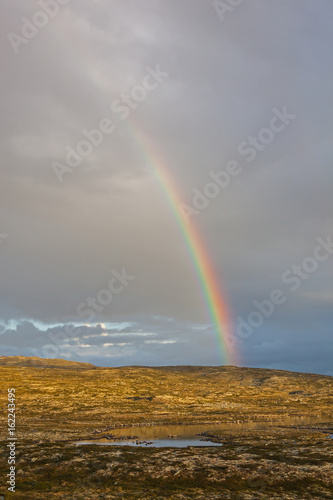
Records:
x=56, y=406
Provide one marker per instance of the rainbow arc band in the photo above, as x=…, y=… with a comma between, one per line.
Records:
x=213, y=296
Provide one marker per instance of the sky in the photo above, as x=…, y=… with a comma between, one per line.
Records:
x=235, y=101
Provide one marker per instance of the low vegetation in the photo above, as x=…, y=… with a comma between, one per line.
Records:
x=59, y=403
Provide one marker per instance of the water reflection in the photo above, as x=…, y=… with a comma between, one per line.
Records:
x=180, y=436
x=160, y=443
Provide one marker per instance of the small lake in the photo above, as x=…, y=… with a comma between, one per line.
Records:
x=181, y=436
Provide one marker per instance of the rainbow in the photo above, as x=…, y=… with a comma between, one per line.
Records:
x=211, y=290
x=212, y=293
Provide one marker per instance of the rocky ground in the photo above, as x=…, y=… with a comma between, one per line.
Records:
x=58, y=405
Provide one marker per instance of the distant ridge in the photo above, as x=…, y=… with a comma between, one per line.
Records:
x=244, y=375
x=34, y=361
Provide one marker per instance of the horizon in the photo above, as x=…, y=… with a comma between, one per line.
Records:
x=156, y=366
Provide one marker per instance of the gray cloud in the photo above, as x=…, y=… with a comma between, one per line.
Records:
x=224, y=79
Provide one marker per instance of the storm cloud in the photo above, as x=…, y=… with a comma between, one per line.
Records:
x=238, y=110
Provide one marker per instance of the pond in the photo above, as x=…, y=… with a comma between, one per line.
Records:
x=181, y=436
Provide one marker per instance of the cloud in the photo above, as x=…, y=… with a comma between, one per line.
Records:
x=224, y=79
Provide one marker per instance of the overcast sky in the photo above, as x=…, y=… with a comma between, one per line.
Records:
x=242, y=89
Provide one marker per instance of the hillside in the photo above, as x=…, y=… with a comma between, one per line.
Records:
x=78, y=399
x=35, y=362
x=60, y=402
